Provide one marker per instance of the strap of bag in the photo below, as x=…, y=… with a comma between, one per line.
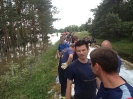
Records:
x=82, y=74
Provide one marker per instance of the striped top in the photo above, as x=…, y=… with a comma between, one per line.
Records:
x=124, y=91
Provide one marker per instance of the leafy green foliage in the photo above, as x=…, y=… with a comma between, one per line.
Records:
x=112, y=18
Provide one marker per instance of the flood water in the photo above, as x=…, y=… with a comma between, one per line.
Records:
x=127, y=73
x=19, y=54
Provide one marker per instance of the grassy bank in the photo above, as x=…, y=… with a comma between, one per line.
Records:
x=33, y=83
x=124, y=48
x=82, y=34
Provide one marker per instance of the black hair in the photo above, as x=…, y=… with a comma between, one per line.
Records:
x=80, y=43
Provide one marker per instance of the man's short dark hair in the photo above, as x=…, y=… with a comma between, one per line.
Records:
x=80, y=43
x=106, y=58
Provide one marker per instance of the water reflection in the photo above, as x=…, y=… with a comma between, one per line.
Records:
x=126, y=72
x=19, y=54
x=54, y=37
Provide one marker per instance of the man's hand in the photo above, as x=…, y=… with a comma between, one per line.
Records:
x=64, y=66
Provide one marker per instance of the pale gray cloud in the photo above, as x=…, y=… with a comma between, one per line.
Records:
x=73, y=12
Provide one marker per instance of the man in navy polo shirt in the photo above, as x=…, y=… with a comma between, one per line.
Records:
x=75, y=71
x=104, y=64
x=66, y=59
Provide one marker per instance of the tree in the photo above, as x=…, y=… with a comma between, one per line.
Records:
x=23, y=19
x=112, y=19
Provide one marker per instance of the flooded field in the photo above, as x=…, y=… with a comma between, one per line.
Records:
x=20, y=53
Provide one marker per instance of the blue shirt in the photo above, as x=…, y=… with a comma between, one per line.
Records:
x=66, y=54
x=73, y=73
x=62, y=46
x=124, y=91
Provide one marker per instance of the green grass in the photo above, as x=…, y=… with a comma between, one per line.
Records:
x=82, y=34
x=124, y=47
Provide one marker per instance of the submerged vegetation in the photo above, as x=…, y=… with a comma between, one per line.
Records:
x=31, y=81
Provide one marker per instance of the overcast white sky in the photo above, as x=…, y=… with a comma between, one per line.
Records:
x=73, y=12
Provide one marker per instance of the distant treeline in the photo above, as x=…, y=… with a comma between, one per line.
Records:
x=112, y=19
x=72, y=28
x=23, y=19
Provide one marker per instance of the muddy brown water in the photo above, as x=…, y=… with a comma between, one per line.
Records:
x=19, y=54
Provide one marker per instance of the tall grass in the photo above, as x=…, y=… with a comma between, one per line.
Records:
x=123, y=46
x=82, y=34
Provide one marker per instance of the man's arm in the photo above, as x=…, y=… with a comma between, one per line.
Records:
x=57, y=53
x=65, y=65
x=70, y=58
x=68, y=89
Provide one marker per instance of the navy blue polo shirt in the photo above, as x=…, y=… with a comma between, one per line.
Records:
x=123, y=91
x=73, y=73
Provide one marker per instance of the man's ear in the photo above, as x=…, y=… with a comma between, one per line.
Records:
x=97, y=67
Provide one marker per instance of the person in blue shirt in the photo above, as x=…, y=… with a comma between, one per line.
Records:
x=65, y=60
x=61, y=47
x=104, y=64
x=106, y=43
x=80, y=71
